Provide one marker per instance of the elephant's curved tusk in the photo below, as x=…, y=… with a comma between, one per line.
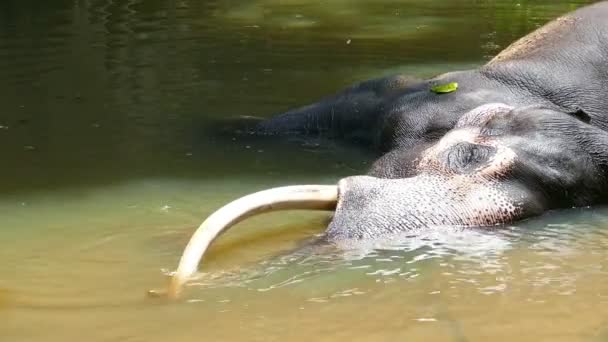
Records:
x=316, y=197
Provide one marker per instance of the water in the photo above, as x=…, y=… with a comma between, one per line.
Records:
x=109, y=165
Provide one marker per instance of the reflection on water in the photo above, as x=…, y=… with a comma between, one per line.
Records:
x=110, y=161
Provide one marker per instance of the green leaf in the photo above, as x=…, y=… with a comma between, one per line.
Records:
x=445, y=88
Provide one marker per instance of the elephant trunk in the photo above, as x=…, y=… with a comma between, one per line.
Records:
x=371, y=207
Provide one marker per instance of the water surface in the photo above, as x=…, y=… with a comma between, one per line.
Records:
x=110, y=159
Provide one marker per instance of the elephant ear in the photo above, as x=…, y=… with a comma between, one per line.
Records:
x=580, y=114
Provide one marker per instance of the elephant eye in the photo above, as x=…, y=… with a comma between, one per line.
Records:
x=465, y=157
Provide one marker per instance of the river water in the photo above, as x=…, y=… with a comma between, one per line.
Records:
x=111, y=156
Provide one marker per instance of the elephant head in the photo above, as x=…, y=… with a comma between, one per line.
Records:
x=497, y=165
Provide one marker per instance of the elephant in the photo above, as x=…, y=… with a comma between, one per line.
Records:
x=525, y=133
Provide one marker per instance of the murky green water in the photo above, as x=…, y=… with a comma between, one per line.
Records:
x=108, y=166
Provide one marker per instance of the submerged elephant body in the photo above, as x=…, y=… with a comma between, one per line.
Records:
x=522, y=134
x=525, y=133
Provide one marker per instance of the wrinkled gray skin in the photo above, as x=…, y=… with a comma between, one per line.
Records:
x=523, y=134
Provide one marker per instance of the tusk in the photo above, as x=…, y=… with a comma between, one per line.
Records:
x=316, y=197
